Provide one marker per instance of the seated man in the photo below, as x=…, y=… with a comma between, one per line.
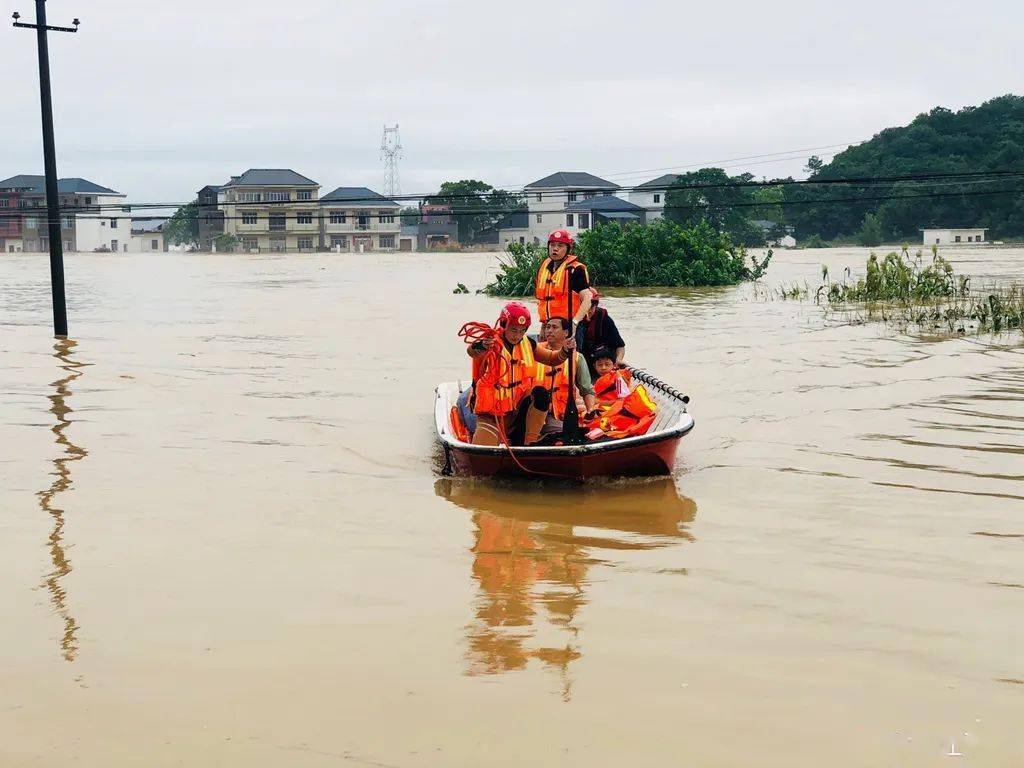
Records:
x=509, y=407
x=555, y=379
x=612, y=383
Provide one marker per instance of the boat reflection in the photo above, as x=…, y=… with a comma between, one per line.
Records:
x=531, y=561
x=64, y=352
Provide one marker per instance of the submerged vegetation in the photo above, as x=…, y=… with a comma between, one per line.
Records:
x=907, y=292
x=660, y=254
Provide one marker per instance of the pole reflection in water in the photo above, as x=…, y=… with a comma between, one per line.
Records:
x=531, y=564
x=64, y=352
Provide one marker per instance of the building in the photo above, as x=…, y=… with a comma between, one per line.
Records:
x=776, y=234
x=211, y=217
x=438, y=228
x=408, y=237
x=271, y=209
x=547, y=199
x=940, y=236
x=358, y=219
x=651, y=195
x=602, y=209
x=513, y=228
x=147, y=236
x=93, y=217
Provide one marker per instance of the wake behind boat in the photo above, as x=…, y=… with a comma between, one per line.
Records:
x=652, y=453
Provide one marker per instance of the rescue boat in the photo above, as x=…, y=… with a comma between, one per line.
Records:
x=652, y=453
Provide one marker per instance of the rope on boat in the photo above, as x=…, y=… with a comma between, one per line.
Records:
x=648, y=378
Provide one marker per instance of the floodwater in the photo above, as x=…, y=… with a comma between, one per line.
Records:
x=225, y=541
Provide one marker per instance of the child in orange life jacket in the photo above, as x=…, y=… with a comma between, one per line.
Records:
x=612, y=383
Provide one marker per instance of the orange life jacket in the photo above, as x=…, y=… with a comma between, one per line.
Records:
x=606, y=388
x=630, y=416
x=501, y=387
x=556, y=380
x=552, y=288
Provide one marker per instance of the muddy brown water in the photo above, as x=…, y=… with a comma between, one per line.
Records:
x=224, y=540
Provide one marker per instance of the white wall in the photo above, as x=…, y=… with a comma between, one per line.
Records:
x=142, y=242
x=949, y=236
x=93, y=230
x=655, y=210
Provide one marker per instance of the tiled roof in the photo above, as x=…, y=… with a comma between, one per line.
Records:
x=573, y=179
x=358, y=196
x=37, y=184
x=270, y=177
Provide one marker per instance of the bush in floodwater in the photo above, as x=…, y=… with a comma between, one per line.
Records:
x=898, y=278
x=662, y=253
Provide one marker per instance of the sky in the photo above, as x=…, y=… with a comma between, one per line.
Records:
x=157, y=99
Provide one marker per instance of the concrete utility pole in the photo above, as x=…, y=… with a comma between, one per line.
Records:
x=60, y=311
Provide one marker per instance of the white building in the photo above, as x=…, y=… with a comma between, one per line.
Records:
x=953, y=236
x=147, y=236
x=358, y=219
x=651, y=195
x=547, y=199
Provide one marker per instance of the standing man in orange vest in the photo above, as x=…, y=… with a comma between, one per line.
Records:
x=559, y=274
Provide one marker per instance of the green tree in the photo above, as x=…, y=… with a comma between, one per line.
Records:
x=476, y=205
x=870, y=231
x=183, y=226
x=226, y=243
x=724, y=202
x=814, y=164
x=410, y=216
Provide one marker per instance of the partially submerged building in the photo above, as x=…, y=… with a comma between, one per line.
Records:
x=954, y=236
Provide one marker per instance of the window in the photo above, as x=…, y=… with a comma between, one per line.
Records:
x=584, y=221
x=249, y=197
x=588, y=196
x=387, y=241
x=4, y=203
x=304, y=217
x=113, y=223
x=31, y=223
x=572, y=197
x=113, y=245
x=337, y=217
x=154, y=246
x=539, y=197
x=126, y=209
x=250, y=243
x=88, y=200
x=522, y=240
x=249, y=217
x=540, y=218
x=276, y=197
x=657, y=198
x=387, y=217
x=277, y=244
x=305, y=243
x=363, y=222
x=277, y=222
x=569, y=220
x=957, y=239
x=69, y=222
x=970, y=238
x=339, y=241
x=304, y=194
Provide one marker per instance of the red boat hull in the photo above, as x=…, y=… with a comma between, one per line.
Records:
x=656, y=457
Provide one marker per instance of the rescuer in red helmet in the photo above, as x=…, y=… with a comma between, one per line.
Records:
x=560, y=276
x=504, y=383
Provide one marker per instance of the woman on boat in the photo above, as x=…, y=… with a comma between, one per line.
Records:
x=508, y=405
x=560, y=275
x=555, y=379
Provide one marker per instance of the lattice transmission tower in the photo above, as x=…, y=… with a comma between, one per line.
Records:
x=390, y=152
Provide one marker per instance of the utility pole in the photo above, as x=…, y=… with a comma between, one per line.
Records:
x=60, y=311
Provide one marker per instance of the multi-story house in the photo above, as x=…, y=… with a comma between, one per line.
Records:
x=92, y=217
x=359, y=219
x=211, y=217
x=272, y=209
x=547, y=199
x=651, y=195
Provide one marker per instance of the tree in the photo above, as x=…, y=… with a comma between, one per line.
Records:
x=183, y=226
x=475, y=204
x=870, y=233
x=410, y=216
x=226, y=243
x=814, y=164
x=724, y=202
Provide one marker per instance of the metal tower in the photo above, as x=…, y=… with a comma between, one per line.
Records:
x=390, y=152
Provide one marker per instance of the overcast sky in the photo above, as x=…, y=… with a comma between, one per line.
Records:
x=158, y=98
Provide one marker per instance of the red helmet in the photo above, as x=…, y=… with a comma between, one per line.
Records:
x=515, y=314
x=561, y=236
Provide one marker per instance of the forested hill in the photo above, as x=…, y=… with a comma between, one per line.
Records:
x=985, y=138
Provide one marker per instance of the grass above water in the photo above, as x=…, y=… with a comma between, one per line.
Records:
x=907, y=292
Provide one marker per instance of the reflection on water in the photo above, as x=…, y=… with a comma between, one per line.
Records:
x=531, y=562
x=64, y=352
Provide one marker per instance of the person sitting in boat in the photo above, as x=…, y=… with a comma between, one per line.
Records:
x=555, y=379
x=612, y=383
x=562, y=279
x=596, y=330
x=509, y=406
